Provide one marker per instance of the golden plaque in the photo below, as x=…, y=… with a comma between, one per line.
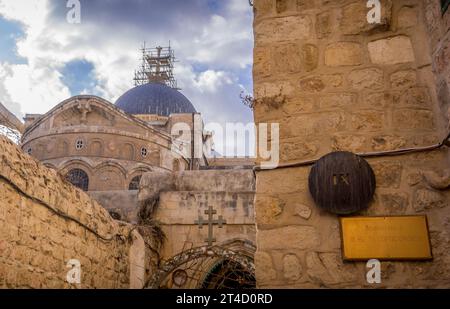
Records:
x=385, y=238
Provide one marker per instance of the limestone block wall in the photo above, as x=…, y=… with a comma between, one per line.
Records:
x=178, y=212
x=184, y=196
x=45, y=222
x=335, y=82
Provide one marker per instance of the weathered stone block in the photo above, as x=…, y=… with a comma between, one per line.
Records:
x=263, y=7
x=390, y=51
x=289, y=127
x=403, y=79
x=377, y=100
x=414, y=178
x=294, y=237
x=341, y=271
x=413, y=119
x=288, y=28
x=278, y=181
x=388, y=174
x=269, y=209
x=418, y=97
x=321, y=82
x=292, y=269
x=330, y=122
x=333, y=81
x=324, y=26
x=427, y=199
x=304, y=5
x=328, y=269
x=297, y=150
x=271, y=90
x=282, y=5
x=354, y=18
x=407, y=17
x=262, y=62
x=265, y=272
x=343, y=54
x=394, y=203
x=387, y=142
x=287, y=58
x=291, y=106
x=338, y=100
x=302, y=211
x=315, y=269
x=367, y=79
x=367, y=121
x=297, y=105
x=312, y=84
x=309, y=57
x=349, y=142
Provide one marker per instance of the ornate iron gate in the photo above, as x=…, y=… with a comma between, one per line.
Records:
x=226, y=266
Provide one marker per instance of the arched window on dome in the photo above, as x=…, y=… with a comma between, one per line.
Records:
x=134, y=184
x=78, y=178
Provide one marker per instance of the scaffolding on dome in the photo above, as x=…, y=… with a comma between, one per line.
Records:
x=157, y=66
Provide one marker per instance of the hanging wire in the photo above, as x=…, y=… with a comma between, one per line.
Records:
x=399, y=152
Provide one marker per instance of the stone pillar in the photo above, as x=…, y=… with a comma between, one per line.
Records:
x=335, y=82
x=438, y=29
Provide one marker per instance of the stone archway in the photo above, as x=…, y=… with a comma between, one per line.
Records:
x=226, y=266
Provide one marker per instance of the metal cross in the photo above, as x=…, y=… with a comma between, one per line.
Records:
x=220, y=222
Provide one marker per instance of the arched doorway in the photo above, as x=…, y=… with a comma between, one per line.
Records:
x=227, y=266
x=228, y=274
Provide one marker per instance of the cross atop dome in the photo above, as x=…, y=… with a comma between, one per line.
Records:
x=157, y=67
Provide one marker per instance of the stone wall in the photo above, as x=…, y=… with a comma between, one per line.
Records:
x=439, y=32
x=183, y=197
x=335, y=82
x=45, y=222
x=123, y=204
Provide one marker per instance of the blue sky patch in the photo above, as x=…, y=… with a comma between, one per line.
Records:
x=246, y=79
x=78, y=76
x=10, y=32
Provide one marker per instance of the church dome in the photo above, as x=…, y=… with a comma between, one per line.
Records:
x=154, y=98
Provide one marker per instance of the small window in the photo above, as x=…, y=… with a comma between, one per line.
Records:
x=144, y=152
x=134, y=184
x=445, y=5
x=29, y=151
x=79, y=144
x=78, y=178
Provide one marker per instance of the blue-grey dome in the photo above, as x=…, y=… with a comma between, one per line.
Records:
x=154, y=98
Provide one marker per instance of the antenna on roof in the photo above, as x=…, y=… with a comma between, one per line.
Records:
x=157, y=67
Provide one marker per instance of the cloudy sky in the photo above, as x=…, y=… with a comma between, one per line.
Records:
x=45, y=60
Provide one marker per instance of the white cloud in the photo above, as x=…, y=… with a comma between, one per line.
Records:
x=212, y=53
x=5, y=98
x=39, y=88
x=211, y=80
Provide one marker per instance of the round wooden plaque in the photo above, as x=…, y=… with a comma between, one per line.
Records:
x=342, y=183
